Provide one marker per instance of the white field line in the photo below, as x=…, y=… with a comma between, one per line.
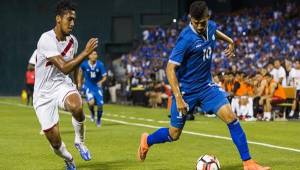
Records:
x=156, y=127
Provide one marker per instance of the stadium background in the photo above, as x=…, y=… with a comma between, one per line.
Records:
x=118, y=23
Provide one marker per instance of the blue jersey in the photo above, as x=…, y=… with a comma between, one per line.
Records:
x=193, y=54
x=92, y=73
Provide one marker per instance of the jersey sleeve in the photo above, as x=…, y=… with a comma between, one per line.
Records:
x=103, y=70
x=33, y=58
x=178, y=51
x=47, y=46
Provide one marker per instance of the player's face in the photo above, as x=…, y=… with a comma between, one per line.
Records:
x=93, y=56
x=200, y=25
x=67, y=22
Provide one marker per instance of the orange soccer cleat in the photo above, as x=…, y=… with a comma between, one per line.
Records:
x=252, y=165
x=143, y=148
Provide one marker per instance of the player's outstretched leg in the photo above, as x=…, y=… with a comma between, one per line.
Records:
x=99, y=115
x=239, y=138
x=59, y=147
x=162, y=135
x=73, y=104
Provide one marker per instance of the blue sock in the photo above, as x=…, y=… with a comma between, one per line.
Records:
x=92, y=111
x=160, y=136
x=99, y=115
x=239, y=139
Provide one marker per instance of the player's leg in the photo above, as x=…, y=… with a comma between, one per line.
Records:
x=48, y=117
x=238, y=137
x=99, y=102
x=163, y=135
x=59, y=147
x=99, y=115
x=215, y=100
x=91, y=103
x=73, y=104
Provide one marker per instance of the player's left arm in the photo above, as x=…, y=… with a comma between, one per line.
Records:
x=102, y=80
x=104, y=75
x=230, y=49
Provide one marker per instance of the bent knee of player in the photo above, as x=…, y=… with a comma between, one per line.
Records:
x=92, y=102
x=175, y=133
x=55, y=144
x=226, y=114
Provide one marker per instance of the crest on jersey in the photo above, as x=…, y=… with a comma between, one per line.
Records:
x=213, y=37
x=97, y=70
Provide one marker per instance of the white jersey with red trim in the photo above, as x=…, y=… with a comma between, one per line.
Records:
x=48, y=76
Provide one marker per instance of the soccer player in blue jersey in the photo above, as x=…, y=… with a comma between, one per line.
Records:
x=94, y=74
x=188, y=72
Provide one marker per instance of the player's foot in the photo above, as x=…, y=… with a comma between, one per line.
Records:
x=99, y=123
x=92, y=119
x=84, y=152
x=143, y=148
x=252, y=165
x=70, y=165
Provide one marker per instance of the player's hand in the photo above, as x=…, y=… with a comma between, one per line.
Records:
x=91, y=45
x=229, y=51
x=182, y=106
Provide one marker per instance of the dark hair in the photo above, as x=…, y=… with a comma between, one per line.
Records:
x=63, y=6
x=198, y=9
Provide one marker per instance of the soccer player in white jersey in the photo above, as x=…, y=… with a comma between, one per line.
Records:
x=53, y=87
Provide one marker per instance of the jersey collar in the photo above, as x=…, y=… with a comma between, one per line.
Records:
x=92, y=66
x=192, y=28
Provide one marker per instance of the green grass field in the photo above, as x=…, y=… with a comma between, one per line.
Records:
x=114, y=145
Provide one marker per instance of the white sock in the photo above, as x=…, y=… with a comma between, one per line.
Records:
x=63, y=152
x=291, y=113
x=79, y=130
x=267, y=115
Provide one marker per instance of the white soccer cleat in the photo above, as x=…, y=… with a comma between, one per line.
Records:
x=84, y=152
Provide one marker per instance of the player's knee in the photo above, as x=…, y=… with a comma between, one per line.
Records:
x=76, y=109
x=56, y=145
x=91, y=102
x=100, y=108
x=175, y=133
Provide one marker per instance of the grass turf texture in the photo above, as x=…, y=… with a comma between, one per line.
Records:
x=114, y=145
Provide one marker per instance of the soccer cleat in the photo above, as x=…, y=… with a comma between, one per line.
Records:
x=84, y=152
x=70, y=165
x=143, y=148
x=252, y=165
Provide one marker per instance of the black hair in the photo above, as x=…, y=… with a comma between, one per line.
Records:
x=198, y=9
x=63, y=6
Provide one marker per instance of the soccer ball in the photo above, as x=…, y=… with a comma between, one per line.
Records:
x=208, y=162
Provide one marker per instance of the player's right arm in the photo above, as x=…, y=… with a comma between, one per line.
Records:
x=175, y=61
x=68, y=66
x=171, y=75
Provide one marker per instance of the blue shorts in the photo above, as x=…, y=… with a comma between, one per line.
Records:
x=96, y=94
x=210, y=100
